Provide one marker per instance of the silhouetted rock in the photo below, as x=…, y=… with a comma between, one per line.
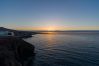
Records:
x=18, y=33
x=15, y=51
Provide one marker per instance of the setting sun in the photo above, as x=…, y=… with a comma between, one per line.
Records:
x=50, y=28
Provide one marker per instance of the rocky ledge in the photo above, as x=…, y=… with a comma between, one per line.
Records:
x=15, y=51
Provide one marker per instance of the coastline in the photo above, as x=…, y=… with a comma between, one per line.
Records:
x=15, y=51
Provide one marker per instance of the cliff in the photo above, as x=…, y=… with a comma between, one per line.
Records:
x=15, y=52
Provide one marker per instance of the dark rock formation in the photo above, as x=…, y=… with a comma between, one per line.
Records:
x=15, y=52
x=19, y=33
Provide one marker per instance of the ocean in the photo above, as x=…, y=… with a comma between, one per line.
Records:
x=66, y=49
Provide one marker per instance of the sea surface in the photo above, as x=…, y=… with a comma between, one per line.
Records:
x=66, y=49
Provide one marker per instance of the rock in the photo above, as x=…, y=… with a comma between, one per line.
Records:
x=18, y=33
x=15, y=51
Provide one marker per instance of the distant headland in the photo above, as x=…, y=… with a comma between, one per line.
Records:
x=16, y=33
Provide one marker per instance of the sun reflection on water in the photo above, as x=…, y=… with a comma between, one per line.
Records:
x=49, y=39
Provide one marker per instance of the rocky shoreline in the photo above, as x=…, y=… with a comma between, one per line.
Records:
x=19, y=33
x=15, y=52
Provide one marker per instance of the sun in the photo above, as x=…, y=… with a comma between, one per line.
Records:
x=51, y=28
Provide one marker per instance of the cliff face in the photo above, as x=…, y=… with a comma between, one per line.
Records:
x=15, y=51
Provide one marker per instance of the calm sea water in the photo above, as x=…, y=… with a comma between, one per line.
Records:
x=80, y=49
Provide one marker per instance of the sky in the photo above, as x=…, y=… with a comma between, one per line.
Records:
x=50, y=14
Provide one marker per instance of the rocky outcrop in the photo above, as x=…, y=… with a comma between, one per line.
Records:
x=19, y=33
x=15, y=52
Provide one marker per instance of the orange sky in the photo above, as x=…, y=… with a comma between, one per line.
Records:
x=52, y=28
